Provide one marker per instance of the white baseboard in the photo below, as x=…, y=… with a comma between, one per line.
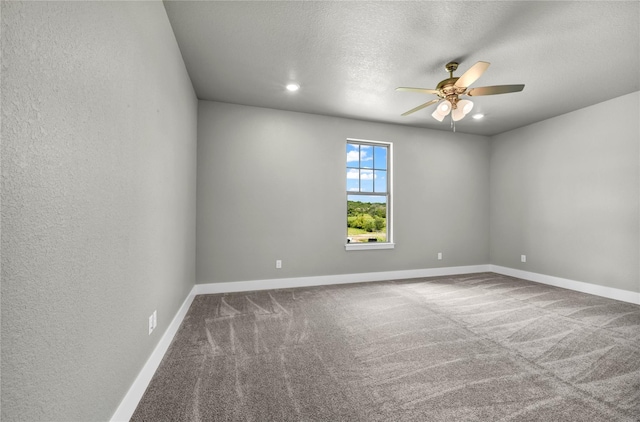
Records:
x=285, y=283
x=580, y=286
x=130, y=401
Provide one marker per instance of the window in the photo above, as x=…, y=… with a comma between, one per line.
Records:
x=368, y=195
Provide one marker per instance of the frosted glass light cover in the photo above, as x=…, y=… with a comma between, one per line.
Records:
x=457, y=114
x=466, y=106
x=444, y=108
x=438, y=116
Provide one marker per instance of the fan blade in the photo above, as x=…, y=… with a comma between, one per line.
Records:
x=492, y=90
x=420, y=107
x=422, y=90
x=472, y=75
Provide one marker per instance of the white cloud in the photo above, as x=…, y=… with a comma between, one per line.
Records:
x=353, y=156
x=366, y=174
x=352, y=174
x=354, y=190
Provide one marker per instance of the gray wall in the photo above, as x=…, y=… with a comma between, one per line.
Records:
x=271, y=185
x=98, y=201
x=566, y=193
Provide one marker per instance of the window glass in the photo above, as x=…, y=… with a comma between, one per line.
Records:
x=366, y=180
x=380, y=157
x=380, y=181
x=368, y=192
x=366, y=156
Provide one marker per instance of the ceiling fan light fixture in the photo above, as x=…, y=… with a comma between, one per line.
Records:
x=444, y=108
x=466, y=105
x=438, y=116
x=463, y=107
x=457, y=114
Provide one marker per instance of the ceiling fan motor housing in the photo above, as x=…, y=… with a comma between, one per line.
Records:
x=447, y=90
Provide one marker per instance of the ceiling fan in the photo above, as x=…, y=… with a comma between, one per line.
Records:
x=451, y=88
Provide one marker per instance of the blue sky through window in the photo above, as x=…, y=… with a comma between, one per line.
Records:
x=366, y=169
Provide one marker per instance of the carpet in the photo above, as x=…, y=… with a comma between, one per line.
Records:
x=478, y=347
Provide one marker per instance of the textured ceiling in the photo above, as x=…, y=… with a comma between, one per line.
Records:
x=349, y=57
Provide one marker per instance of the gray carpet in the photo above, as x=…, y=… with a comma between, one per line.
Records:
x=479, y=347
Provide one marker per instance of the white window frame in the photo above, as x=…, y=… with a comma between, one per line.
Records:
x=389, y=244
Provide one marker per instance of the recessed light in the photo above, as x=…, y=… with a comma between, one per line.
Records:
x=478, y=116
x=293, y=87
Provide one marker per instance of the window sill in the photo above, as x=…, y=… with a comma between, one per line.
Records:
x=368, y=246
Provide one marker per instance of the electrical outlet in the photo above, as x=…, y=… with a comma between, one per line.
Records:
x=278, y=263
x=439, y=256
x=523, y=258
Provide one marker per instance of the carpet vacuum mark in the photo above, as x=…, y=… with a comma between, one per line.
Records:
x=478, y=347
